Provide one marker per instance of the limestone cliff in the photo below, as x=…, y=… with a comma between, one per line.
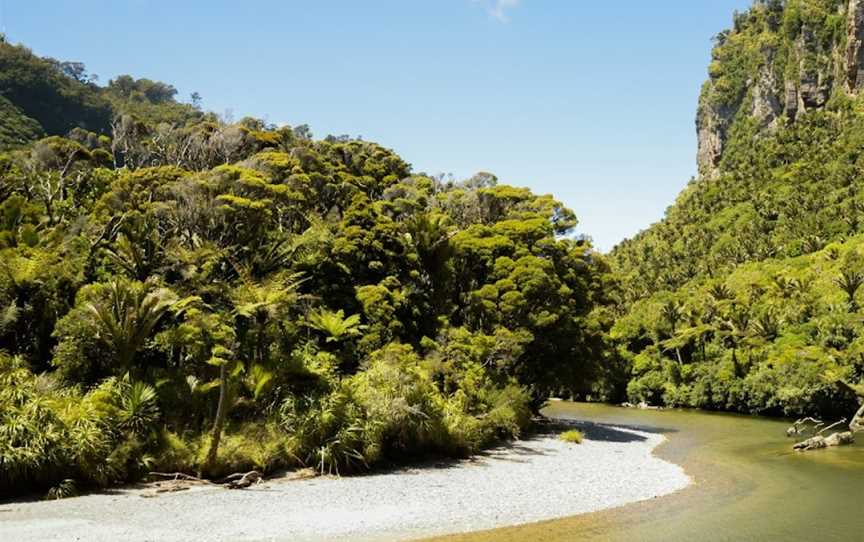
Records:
x=781, y=58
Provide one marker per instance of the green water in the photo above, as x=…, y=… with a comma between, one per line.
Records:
x=748, y=485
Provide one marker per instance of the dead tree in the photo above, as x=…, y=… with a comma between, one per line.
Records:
x=820, y=440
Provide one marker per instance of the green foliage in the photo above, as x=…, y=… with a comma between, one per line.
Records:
x=776, y=337
x=334, y=325
x=745, y=296
x=41, y=96
x=55, y=436
x=41, y=90
x=572, y=436
x=395, y=408
x=184, y=294
x=16, y=128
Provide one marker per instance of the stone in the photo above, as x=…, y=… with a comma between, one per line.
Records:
x=855, y=47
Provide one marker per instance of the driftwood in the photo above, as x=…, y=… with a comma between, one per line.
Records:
x=178, y=476
x=799, y=426
x=832, y=426
x=641, y=406
x=242, y=480
x=819, y=440
x=857, y=423
x=238, y=480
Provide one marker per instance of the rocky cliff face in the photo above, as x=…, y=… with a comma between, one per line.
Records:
x=782, y=58
x=855, y=47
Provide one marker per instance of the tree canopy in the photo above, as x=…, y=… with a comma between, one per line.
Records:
x=183, y=293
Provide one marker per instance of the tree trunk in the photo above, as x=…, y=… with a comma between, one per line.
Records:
x=219, y=422
x=857, y=423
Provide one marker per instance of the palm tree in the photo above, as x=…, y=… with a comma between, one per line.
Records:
x=260, y=304
x=137, y=257
x=139, y=408
x=431, y=236
x=734, y=330
x=766, y=325
x=850, y=280
x=335, y=325
x=720, y=292
x=127, y=318
x=672, y=312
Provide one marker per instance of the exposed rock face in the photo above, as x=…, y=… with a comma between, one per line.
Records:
x=855, y=47
x=711, y=125
x=791, y=100
x=767, y=104
x=777, y=92
x=814, y=83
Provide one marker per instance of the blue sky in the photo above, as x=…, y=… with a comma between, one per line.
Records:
x=592, y=101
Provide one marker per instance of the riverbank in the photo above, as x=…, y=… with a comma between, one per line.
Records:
x=532, y=480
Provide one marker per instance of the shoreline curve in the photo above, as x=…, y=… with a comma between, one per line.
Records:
x=536, y=479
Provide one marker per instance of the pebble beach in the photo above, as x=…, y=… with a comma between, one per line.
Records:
x=531, y=480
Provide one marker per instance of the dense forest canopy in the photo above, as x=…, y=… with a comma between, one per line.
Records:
x=746, y=295
x=183, y=293
x=180, y=293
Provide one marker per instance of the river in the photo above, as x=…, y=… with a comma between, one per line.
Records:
x=748, y=485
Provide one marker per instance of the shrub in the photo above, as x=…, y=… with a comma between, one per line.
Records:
x=572, y=436
x=252, y=446
x=394, y=410
x=49, y=435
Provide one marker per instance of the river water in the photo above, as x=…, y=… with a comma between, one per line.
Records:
x=748, y=485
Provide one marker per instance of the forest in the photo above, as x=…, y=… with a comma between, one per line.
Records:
x=181, y=292
x=747, y=295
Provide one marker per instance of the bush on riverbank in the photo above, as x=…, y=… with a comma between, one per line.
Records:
x=775, y=337
x=572, y=436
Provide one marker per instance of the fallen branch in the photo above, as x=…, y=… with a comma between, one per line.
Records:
x=242, y=480
x=796, y=428
x=832, y=426
x=172, y=489
x=857, y=423
x=838, y=438
x=178, y=476
x=238, y=480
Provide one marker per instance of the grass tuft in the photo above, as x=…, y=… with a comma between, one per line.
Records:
x=573, y=436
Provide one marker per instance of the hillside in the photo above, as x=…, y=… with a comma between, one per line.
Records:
x=178, y=293
x=43, y=96
x=781, y=133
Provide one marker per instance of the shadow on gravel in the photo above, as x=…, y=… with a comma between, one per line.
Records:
x=513, y=452
x=604, y=432
x=608, y=433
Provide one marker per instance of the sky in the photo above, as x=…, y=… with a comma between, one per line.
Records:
x=592, y=101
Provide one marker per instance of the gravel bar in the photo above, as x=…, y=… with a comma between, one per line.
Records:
x=531, y=480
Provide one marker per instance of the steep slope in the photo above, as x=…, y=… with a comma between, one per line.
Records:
x=16, y=128
x=781, y=171
x=39, y=88
x=780, y=134
x=42, y=96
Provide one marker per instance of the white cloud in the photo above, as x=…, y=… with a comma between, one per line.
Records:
x=498, y=8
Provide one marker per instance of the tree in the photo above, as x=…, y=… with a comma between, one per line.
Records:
x=258, y=305
x=220, y=338
x=850, y=280
x=335, y=326
x=127, y=317
x=53, y=168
